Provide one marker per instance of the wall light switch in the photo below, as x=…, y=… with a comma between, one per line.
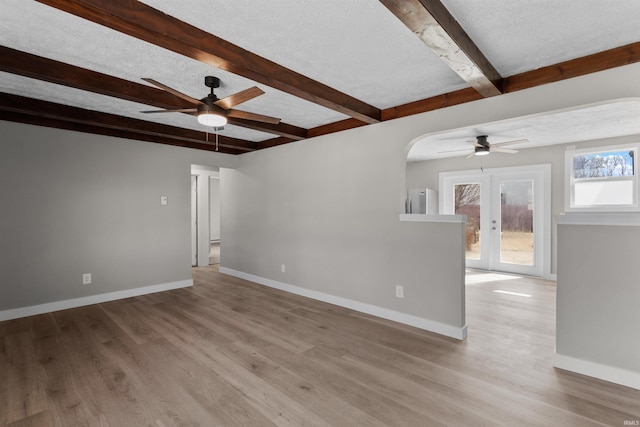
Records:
x=164, y=200
x=282, y=268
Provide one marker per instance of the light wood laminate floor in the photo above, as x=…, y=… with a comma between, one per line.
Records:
x=229, y=352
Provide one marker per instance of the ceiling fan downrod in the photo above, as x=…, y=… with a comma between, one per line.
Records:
x=213, y=83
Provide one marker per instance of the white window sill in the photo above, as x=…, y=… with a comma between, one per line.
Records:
x=433, y=218
x=629, y=219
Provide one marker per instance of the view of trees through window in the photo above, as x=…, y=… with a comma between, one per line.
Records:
x=602, y=179
x=603, y=164
x=467, y=202
x=516, y=220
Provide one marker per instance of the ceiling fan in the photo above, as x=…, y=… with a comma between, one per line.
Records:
x=482, y=147
x=212, y=111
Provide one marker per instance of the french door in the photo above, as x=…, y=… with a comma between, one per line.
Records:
x=508, y=216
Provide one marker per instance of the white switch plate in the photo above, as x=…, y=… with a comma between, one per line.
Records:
x=86, y=279
x=282, y=268
x=164, y=200
x=399, y=291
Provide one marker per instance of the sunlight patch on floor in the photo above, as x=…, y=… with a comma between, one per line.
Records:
x=499, y=291
x=488, y=277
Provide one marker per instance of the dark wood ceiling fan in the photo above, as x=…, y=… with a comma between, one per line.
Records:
x=212, y=111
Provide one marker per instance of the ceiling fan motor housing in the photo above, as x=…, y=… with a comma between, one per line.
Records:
x=212, y=82
x=206, y=108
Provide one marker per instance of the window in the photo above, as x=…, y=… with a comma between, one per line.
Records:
x=601, y=179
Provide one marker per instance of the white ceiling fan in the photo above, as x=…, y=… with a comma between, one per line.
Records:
x=482, y=147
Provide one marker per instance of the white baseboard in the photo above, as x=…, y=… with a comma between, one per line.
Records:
x=598, y=370
x=92, y=299
x=385, y=313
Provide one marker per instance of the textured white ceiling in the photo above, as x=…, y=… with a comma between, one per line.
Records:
x=355, y=46
x=45, y=31
x=559, y=127
x=523, y=35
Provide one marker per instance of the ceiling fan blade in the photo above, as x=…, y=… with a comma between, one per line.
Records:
x=453, y=151
x=239, y=114
x=179, y=110
x=172, y=91
x=473, y=153
x=504, y=150
x=517, y=141
x=238, y=98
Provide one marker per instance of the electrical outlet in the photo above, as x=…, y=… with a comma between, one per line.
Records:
x=86, y=279
x=399, y=291
x=282, y=268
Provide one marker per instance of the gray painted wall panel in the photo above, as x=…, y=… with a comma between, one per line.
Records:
x=76, y=203
x=598, y=295
x=336, y=229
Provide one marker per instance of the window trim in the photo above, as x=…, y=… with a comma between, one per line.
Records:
x=570, y=180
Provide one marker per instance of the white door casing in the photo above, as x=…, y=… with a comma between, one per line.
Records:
x=490, y=181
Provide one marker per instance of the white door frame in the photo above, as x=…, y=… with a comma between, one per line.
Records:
x=204, y=245
x=194, y=220
x=489, y=180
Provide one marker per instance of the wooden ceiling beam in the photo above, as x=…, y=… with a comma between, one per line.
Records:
x=281, y=129
x=616, y=57
x=40, y=68
x=146, y=23
x=51, y=110
x=274, y=142
x=600, y=61
x=429, y=104
x=438, y=29
x=334, y=127
x=97, y=130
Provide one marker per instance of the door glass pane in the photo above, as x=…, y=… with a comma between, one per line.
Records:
x=516, y=219
x=467, y=202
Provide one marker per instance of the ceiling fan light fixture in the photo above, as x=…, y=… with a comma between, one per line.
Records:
x=482, y=151
x=209, y=116
x=212, y=119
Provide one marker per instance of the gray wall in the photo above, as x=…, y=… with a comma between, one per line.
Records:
x=76, y=203
x=328, y=207
x=599, y=294
x=336, y=230
x=425, y=174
